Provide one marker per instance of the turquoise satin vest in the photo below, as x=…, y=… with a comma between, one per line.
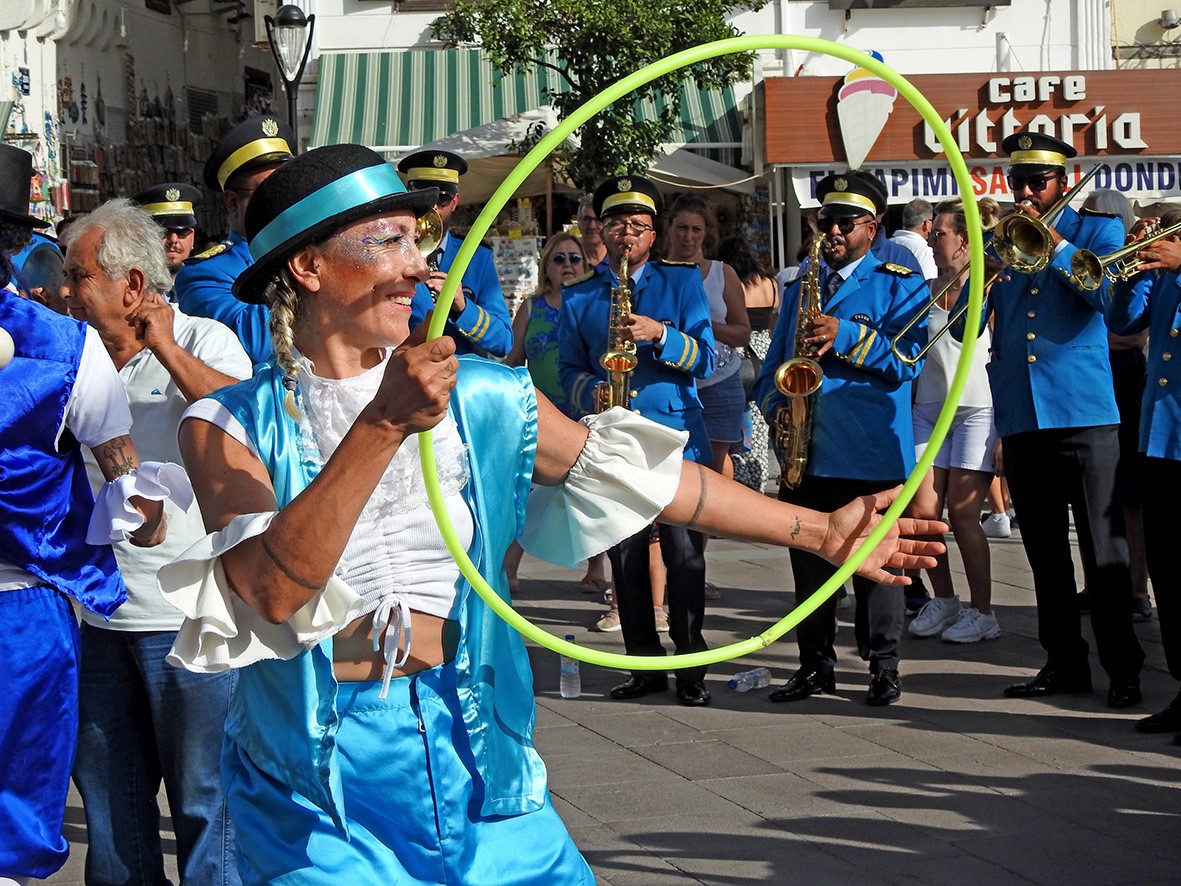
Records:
x=283, y=713
x=45, y=498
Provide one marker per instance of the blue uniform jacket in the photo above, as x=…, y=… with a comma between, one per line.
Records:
x=861, y=426
x=484, y=322
x=1153, y=301
x=1049, y=365
x=664, y=381
x=203, y=290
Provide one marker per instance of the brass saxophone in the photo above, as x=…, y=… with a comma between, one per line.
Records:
x=620, y=357
x=799, y=379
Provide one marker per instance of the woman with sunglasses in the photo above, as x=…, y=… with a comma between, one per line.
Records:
x=535, y=344
x=352, y=754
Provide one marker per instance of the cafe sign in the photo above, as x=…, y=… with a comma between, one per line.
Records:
x=1125, y=118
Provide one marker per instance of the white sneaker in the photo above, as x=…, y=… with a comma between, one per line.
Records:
x=972, y=625
x=998, y=526
x=937, y=614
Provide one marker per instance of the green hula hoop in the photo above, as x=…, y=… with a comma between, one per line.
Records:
x=534, y=159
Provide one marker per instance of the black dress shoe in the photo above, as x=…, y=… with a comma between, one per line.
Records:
x=803, y=683
x=885, y=687
x=639, y=685
x=1050, y=681
x=693, y=694
x=1123, y=692
x=1168, y=720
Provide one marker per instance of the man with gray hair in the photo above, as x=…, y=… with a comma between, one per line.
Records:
x=140, y=720
x=918, y=218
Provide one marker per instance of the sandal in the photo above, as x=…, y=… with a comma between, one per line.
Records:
x=592, y=584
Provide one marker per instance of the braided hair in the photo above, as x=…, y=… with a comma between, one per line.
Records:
x=280, y=296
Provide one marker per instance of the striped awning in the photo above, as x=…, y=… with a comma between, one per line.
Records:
x=397, y=101
x=5, y=111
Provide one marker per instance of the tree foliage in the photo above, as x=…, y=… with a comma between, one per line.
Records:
x=592, y=44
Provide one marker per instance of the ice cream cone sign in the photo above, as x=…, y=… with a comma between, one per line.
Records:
x=864, y=103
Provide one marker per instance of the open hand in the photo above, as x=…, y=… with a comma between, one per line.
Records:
x=849, y=526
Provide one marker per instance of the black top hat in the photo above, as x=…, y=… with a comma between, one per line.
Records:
x=1037, y=152
x=253, y=143
x=170, y=204
x=627, y=193
x=313, y=195
x=433, y=169
x=851, y=194
x=16, y=172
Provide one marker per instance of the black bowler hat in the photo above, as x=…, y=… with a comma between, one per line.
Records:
x=433, y=169
x=627, y=193
x=1033, y=152
x=312, y=196
x=16, y=173
x=170, y=204
x=252, y=144
x=851, y=194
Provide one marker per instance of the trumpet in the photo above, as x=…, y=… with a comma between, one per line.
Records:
x=1088, y=271
x=1022, y=243
x=430, y=237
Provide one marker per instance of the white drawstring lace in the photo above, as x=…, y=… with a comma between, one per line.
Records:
x=392, y=617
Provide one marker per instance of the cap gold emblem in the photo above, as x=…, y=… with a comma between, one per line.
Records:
x=840, y=185
x=172, y=195
x=624, y=184
x=440, y=161
x=1025, y=143
x=270, y=128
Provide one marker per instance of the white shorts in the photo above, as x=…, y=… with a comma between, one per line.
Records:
x=970, y=440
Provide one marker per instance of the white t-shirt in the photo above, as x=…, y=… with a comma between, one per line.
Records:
x=95, y=413
x=921, y=249
x=156, y=406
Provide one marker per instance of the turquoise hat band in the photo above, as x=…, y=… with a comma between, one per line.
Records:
x=355, y=189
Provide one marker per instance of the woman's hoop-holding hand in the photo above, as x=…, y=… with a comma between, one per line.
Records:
x=416, y=388
x=849, y=526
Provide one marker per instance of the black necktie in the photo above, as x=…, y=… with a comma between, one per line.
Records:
x=831, y=284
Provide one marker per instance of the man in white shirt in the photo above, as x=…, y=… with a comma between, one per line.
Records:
x=918, y=217
x=140, y=720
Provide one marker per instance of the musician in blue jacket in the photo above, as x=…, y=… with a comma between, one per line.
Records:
x=479, y=320
x=1056, y=414
x=670, y=325
x=242, y=160
x=862, y=440
x=1152, y=300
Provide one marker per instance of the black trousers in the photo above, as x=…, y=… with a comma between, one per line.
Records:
x=683, y=551
x=881, y=609
x=1162, y=529
x=1051, y=473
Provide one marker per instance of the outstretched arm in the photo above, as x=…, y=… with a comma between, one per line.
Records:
x=707, y=502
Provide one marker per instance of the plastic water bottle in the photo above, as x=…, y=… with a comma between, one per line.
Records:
x=570, y=681
x=744, y=681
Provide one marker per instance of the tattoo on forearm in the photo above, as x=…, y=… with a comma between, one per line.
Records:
x=700, y=498
x=796, y=526
x=285, y=569
x=114, y=455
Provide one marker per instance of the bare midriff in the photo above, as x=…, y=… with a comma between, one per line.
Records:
x=353, y=660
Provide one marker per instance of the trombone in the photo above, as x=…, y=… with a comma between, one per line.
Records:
x=1020, y=241
x=1087, y=270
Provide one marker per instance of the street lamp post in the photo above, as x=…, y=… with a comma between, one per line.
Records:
x=290, y=35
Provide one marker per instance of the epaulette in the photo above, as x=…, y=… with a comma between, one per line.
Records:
x=215, y=249
x=677, y=264
x=581, y=279
x=900, y=270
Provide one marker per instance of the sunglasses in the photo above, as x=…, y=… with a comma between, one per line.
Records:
x=618, y=227
x=180, y=232
x=844, y=225
x=1035, y=183
x=562, y=258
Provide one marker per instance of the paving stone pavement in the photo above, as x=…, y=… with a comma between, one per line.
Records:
x=954, y=784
